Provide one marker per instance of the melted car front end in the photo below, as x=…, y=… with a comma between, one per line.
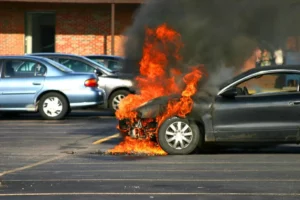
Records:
x=139, y=129
x=145, y=125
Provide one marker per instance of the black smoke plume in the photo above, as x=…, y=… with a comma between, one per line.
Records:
x=217, y=33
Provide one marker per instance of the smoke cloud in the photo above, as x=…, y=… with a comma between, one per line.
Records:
x=221, y=34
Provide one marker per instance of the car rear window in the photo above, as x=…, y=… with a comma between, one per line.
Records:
x=59, y=66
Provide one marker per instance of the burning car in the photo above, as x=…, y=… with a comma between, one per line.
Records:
x=257, y=106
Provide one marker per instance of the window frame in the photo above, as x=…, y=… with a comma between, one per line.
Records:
x=249, y=76
x=21, y=60
x=270, y=93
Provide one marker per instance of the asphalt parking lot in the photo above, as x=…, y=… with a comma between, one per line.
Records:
x=57, y=160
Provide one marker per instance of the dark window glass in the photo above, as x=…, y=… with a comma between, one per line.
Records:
x=23, y=68
x=76, y=65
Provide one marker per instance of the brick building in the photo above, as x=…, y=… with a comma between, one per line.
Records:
x=67, y=26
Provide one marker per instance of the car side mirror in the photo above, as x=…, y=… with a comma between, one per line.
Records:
x=98, y=72
x=230, y=93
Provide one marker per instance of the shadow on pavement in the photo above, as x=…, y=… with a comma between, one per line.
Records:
x=73, y=115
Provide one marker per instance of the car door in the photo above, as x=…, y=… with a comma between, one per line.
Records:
x=21, y=81
x=270, y=112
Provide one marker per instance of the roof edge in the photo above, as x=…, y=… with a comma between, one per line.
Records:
x=76, y=1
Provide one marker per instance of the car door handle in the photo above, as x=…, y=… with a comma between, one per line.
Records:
x=296, y=102
x=35, y=83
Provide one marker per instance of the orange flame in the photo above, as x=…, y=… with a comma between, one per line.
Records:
x=154, y=81
x=161, y=45
x=130, y=145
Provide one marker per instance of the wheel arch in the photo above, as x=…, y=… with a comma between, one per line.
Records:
x=201, y=126
x=49, y=91
x=116, y=89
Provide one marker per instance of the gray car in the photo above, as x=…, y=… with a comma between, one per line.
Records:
x=112, y=62
x=116, y=85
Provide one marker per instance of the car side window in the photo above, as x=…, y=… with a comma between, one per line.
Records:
x=99, y=60
x=114, y=65
x=76, y=65
x=270, y=83
x=23, y=68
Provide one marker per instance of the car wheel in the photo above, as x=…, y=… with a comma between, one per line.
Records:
x=116, y=97
x=53, y=106
x=178, y=136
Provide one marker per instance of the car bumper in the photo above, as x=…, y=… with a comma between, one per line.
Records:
x=86, y=98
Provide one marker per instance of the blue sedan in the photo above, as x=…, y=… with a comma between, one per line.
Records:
x=36, y=84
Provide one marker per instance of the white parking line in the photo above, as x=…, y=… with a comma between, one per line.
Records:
x=150, y=193
x=155, y=180
x=31, y=165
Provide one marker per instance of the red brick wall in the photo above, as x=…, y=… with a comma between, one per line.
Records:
x=80, y=28
x=11, y=31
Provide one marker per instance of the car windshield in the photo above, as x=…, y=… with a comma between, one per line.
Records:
x=224, y=84
x=99, y=65
x=58, y=65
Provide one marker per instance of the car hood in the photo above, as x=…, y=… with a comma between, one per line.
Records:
x=157, y=106
x=122, y=75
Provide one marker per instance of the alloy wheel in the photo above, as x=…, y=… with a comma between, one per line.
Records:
x=116, y=101
x=179, y=135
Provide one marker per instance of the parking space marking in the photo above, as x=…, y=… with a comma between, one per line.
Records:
x=157, y=180
x=107, y=138
x=179, y=163
x=32, y=165
x=173, y=170
x=149, y=193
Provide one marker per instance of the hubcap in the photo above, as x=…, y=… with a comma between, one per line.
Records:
x=179, y=135
x=116, y=101
x=52, y=106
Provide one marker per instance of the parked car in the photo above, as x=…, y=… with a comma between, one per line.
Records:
x=260, y=106
x=114, y=63
x=116, y=85
x=36, y=84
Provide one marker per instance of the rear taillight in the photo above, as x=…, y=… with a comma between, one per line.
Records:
x=91, y=83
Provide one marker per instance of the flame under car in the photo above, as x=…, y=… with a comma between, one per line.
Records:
x=260, y=106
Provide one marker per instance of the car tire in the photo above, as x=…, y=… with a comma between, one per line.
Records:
x=115, y=99
x=53, y=106
x=69, y=111
x=188, y=133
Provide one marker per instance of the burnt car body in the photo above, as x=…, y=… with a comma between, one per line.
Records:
x=259, y=106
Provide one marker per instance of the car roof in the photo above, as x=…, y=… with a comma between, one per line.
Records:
x=25, y=57
x=104, y=56
x=54, y=54
x=274, y=67
x=268, y=68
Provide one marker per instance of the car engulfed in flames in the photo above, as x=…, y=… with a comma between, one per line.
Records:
x=165, y=91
